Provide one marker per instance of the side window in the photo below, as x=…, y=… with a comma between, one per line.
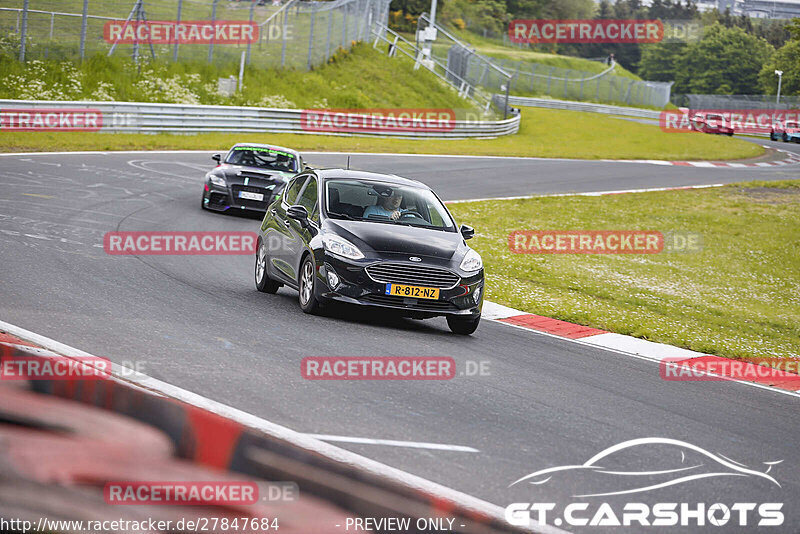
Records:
x=435, y=217
x=294, y=188
x=308, y=198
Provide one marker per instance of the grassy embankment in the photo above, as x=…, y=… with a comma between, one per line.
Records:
x=736, y=297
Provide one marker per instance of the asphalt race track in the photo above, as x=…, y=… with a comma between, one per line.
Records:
x=198, y=323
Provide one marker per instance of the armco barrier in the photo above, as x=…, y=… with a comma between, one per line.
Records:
x=138, y=117
x=211, y=441
x=587, y=107
x=579, y=106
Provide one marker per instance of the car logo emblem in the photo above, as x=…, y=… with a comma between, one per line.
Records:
x=414, y=258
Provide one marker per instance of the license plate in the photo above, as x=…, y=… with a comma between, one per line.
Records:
x=251, y=196
x=401, y=290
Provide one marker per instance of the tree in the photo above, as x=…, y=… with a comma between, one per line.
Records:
x=725, y=60
x=787, y=59
x=660, y=61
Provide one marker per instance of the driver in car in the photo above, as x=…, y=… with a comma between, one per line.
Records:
x=282, y=162
x=387, y=206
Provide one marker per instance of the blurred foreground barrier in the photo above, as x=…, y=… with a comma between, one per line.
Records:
x=130, y=428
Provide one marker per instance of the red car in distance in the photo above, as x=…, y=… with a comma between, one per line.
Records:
x=711, y=123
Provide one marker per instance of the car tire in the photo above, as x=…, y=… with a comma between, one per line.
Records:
x=306, y=283
x=785, y=138
x=773, y=137
x=264, y=283
x=730, y=134
x=463, y=325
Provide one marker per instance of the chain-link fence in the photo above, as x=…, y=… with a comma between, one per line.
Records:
x=740, y=102
x=287, y=33
x=525, y=78
x=533, y=79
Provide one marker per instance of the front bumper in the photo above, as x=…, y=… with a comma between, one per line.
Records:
x=219, y=198
x=355, y=286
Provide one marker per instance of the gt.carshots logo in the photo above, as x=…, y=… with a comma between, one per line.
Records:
x=183, y=32
x=585, y=31
x=603, y=476
x=180, y=243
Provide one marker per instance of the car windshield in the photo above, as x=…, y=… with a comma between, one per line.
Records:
x=388, y=203
x=714, y=117
x=790, y=124
x=264, y=158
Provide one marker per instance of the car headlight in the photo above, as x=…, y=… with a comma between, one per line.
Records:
x=472, y=261
x=341, y=247
x=216, y=180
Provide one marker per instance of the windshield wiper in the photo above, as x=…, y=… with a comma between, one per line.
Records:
x=343, y=215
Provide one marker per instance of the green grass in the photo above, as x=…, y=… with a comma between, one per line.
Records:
x=543, y=133
x=331, y=85
x=737, y=297
x=498, y=49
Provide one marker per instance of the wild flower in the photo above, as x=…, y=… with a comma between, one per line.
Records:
x=273, y=101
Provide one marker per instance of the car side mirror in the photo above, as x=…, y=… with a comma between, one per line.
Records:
x=299, y=213
x=217, y=157
x=467, y=232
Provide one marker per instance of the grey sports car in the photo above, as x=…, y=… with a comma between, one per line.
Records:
x=249, y=177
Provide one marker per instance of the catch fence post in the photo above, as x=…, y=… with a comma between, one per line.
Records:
x=84, y=22
x=24, y=31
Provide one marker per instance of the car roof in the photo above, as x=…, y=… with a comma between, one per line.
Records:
x=262, y=145
x=345, y=174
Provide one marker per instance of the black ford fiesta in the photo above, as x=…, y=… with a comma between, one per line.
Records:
x=372, y=240
x=249, y=177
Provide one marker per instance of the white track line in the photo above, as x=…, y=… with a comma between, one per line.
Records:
x=281, y=432
x=394, y=443
x=590, y=194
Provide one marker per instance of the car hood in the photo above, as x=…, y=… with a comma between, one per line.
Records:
x=385, y=237
x=237, y=174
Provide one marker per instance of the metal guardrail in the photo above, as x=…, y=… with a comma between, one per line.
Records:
x=579, y=106
x=589, y=108
x=138, y=117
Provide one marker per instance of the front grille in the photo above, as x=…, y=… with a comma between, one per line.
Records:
x=415, y=275
x=246, y=201
x=412, y=304
x=255, y=174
